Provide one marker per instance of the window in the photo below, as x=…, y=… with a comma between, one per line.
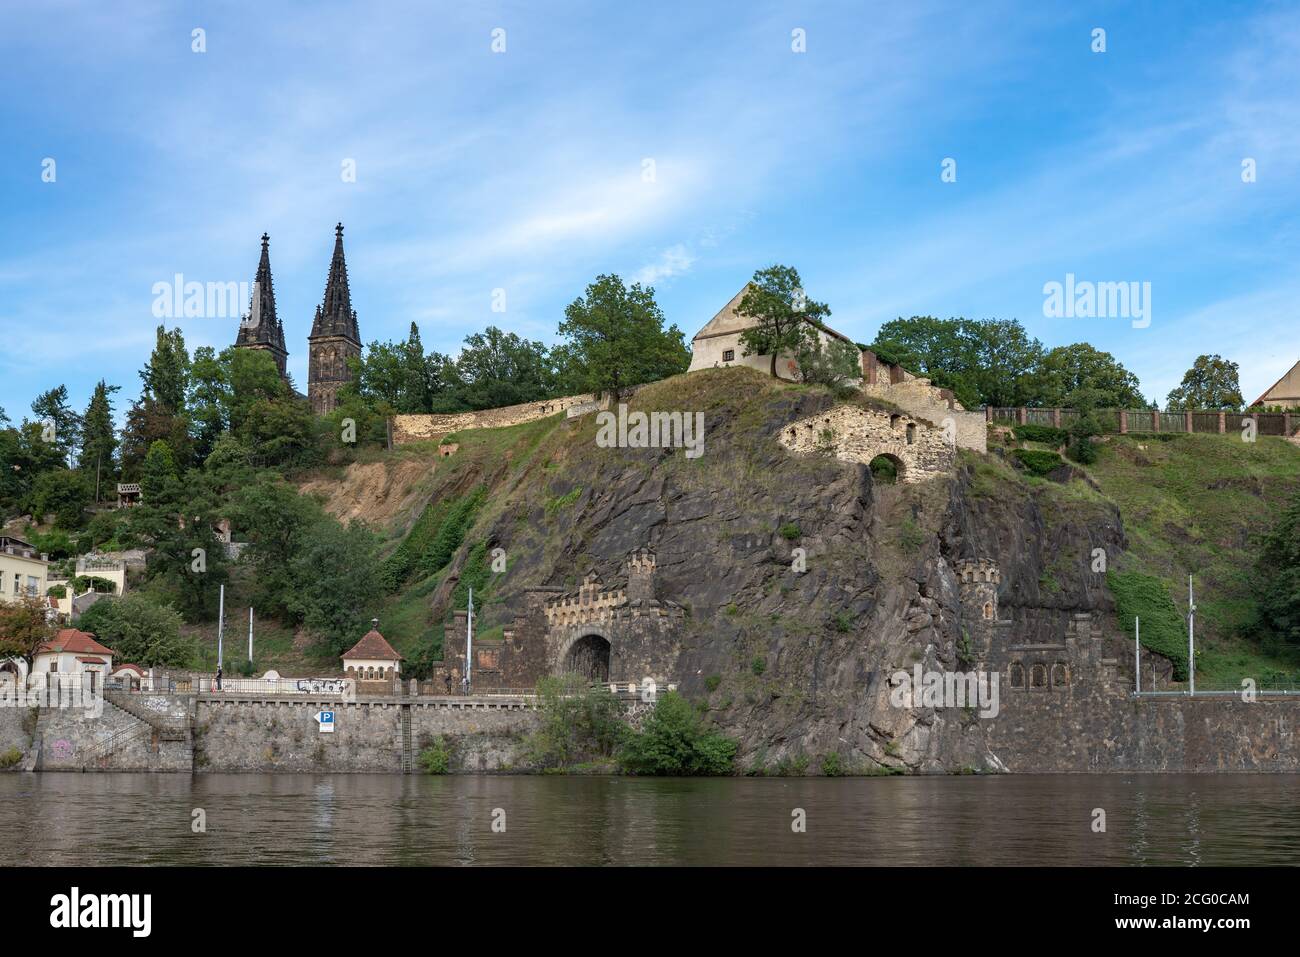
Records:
x=33, y=585
x=988, y=611
x=1038, y=676
x=911, y=433
x=729, y=355
x=1017, y=675
x=17, y=583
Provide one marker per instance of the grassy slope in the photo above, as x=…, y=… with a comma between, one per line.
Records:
x=1195, y=505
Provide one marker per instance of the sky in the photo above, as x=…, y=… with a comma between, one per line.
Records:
x=681, y=144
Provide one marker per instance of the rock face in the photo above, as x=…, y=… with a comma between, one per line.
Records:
x=808, y=588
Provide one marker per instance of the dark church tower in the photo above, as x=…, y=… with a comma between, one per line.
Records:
x=261, y=328
x=334, y=336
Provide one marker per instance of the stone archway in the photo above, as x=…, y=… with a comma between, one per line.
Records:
x=887, y=468
x=587, y=656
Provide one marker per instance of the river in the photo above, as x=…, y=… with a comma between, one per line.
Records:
x=94, y=819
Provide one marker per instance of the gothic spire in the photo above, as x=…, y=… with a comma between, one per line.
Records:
x=335, y=315
x=261, y=326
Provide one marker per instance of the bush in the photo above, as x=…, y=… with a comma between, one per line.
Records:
x=1041, y=433
x=790, y=531
x=831, y=765
x=1082, y=450
x=758, y=665
x=579, y=723
x=1037, y=461
x=712, y=682
x=9, y=758
x=436, y=758
x=674, y=741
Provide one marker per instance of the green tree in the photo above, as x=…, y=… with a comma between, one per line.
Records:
x=24, y=627
x=166, y=374
x=832, y=363
x=1077, y=375
x=99, y=437
x=674, y=741
x=336, y=572
x=159, y=472
x=578, y=723
x=209, y=399
x=776, y=301
x=499, y=368
x=140, y=631
x=991, y=362
x=63, y=493
x=1211, y=383
x=53, y=409
x=616, y=339
x=274, y=519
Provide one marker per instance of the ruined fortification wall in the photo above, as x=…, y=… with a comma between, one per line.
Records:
x=853, y=434
x=423, y=428
x=921, y=399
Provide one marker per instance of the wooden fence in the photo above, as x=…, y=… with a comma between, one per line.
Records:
x=1124, y=421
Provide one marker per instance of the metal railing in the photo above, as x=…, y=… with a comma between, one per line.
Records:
x=117, y=740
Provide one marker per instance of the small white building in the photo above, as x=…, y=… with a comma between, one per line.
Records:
x=372, y=658
x=74, y=658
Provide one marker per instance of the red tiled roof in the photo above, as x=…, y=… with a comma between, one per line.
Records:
x=374, y=647
x=129, y=667
x=90, y=661
x=71, y=640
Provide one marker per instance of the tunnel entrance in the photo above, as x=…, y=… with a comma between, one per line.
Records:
x=589, y=657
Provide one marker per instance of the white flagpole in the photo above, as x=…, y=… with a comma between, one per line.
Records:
x=221, y=620
x=1191, y=637
x=250, y=633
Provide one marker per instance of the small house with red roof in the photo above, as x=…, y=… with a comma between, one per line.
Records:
x=74, y=654
x=372, y=658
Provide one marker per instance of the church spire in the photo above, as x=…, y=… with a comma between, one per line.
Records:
x=261, y=327
x=335, y=315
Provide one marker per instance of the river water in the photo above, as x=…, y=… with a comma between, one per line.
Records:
x=92, y=819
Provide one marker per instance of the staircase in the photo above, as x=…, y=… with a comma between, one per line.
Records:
x=115, y=742
x=408, y=759
x=167, y=728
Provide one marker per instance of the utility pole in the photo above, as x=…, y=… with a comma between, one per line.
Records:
x=221, y=620
x=1137, y=652
x=1191, y=638
x=469, y=641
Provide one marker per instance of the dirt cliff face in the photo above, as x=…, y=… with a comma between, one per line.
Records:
x=794, y=660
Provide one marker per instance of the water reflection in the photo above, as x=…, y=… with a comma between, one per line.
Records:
x=389, y=819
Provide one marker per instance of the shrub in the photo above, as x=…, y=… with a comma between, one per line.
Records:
x=1082, y=450
x=579, y=723
x=712, y=682
x=758, y=665
x=1041, y=433
x=1037, y=461
x=831, y=765
x=674, y=741
x=9, y=758
x=436, y=758
x=790, y=531
x=842, y=621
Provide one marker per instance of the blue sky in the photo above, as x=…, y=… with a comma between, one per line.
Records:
x=522, y=170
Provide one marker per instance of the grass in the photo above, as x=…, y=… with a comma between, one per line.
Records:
x=1197, y=504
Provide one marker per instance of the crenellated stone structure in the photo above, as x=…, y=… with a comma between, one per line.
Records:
x=621, y=633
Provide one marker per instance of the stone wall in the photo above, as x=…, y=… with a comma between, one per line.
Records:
x=424, y=428
x=278, y=735
x=921, y=399
x=854, y=434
